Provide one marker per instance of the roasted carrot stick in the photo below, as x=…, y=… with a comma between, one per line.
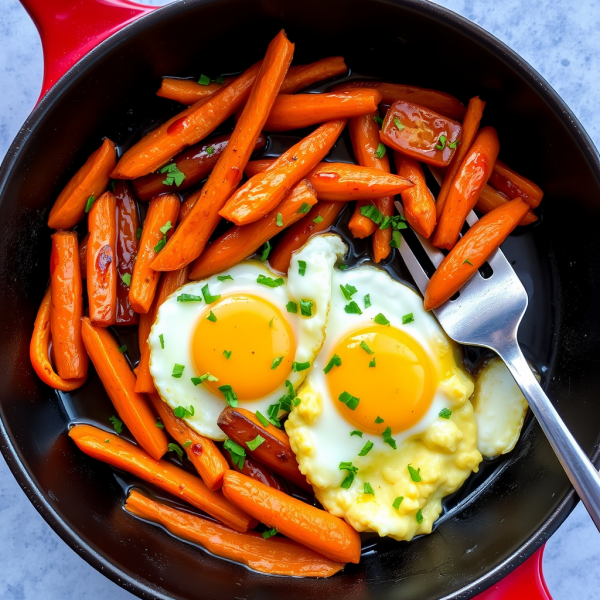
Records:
x=274, y=555
x=466, y=188
x=264, y=192
x=491, y=199
x=470, y=128
x=306, y=524
x=119, y=383
x=39, y=350
x=255, y=470
x=159, y=225
x=187, y=91
x=90, y=180
x=83, y=255
x=193, y=233
x=187, y=128
x=202, y=452
x=183, y=485
x=383, y=237
x=254, y=167
x=301, y=110
x=509, y=182
x=240, y=242
x=472, y=250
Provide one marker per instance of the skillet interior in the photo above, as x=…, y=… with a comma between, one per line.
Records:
x=501, y=515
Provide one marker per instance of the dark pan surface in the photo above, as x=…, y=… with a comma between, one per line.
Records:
x=503, y=513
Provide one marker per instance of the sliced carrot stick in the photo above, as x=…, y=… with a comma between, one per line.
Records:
x=466, y=187
x=306, y=524
x=383, y=237
x=39, y=350
x=202, y=452
x=264, y=192
x=255, y=470
x=240, y=242
x=90, y=180
x=119, y=383
x=254, y=167
x=509, y=182
x=187, y=128
x=186, y=207
x=301, y=110
x=101, y=264
x=472, y=250
x=470, y=128
x=275, y=555
x=491, y=199
x=188, y=91
x=183, y=485
x=70, y=357
x=191, y=236
x=159, y=225
x=83, y=255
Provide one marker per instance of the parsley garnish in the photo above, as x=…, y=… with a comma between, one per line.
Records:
x=301, y=267
x=357, y=433
x=381, y=320
x=269, y=281
x=292, y=307
x=366, y=449
x=161, y=337
x=371, y=212
x=208, y=298
x=352, y=470
x=368, y=489
x=181, y=412
x=378, y=120
x=342, y=266
x=203, y=378
x=160, y=245
x=395, y=222
x=419, y=516
x=378, y=419
x=224, y=277
x=219, y=79
x=387, y=437
x=126, y=279
x=266, y=251
x=296, y=366
x=409, y=318
x=271, y=322
x=306, y=308
x=467, y=262
x=175, y=448
x=398, y=124
x=188, y=298
x=415, y=474
x=177, y=371
x=454, y=144
x=367, y=300
x=227, y=354
x=396, y=239
x=116, y=423
x=186, y=444
x=349, y=400
x=89, y=204
x=279, y=220
x=304, y=208
x=168, y=225
x=276, y=362
x=264, y=421
x=174, y=175
x=269, y=533
x=397, y=502
x=159, y=424
x=230, y=396
x=445, y=413
x=335, y=361
x=138, y=233
x=122, y=349
x=204, y=80
x=348, y=291
x=318, y=219
x=255, y=443
x=366, y=348
x=380, y=152
x=372, y=363
x=210, y=150
x=353, y=308
x=212, y=317
x=237, y=453
x=442, y=143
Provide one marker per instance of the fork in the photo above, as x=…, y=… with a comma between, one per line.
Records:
x=487, y=313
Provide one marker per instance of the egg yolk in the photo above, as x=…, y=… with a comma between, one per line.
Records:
x=390, y=374
x=253, y=333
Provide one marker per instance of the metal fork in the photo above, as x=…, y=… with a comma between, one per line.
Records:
x=487, y=313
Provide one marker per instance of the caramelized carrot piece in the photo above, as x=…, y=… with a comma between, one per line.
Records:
x=90, y=180
x=254, y=167
x=101, y=263
x=202, y=452
x=83, y=255
x=509, y=182
x=255, y=470
x=313, y=527
x=119, y=382
x=472, y=250
x=39, y=350
x=383, y=237
x=240, y=242
x=159, y=225
x=491, y=199
x=264, y=192
x=191, y=236
x=275, y=555
x=183, y=485
x=188, y=91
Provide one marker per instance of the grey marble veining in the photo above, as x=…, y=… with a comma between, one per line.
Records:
x=560, y=39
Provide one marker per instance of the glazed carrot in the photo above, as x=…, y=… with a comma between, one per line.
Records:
x=491, y=199
x=186, y=207
x=470, y=128
x=191, y=236
x=275, y=555
x=187, y=128
x=90, y=180
x=319, y=218
x=39, y=350
x=160, y=222
x=70, y=356
x=188, y=91
x=472, y=250
x=119, y=382
x=509, y=182
x=419, y=205
x=101, y=264
x=128, y=222
x=83, y=255
x=466, y=188
x=254, y=167
x=240, y=242
x=202, y=452
x=255, y=470
x=313, y=527
x=383, y=237
x=264, y=192
x=301, y=110
x=183, y=485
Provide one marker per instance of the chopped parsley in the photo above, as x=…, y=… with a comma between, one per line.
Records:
x=301, y=267
x=318, y=219
x=378, y=419
x=186, y=444
x=396, y=239
x=208, y=298
x=349, y=479
x=349, y=400
x=269, y=281
x=366, y=449
x=237, y=453
x=271, y=322
x=212, y=317
x=378, y=120
x=368, y=489
x=173, y=175
x=230, y=396
x=210, y=150
x=175, y=448
x=122, y=349
x=89, y=204
x=227, y=354
x=181, y=412
x=224, y=277
x=188, y=298
x=161, y=337
x=304, y=208
x=204, y=80
x=353, y=308
x=160, y=245
x=371, y=212
x=419, y=516
x=372, y=363
x=269, y=533
x=357, y=433
x=396, y=222
x=116, y=423
x=168, y=225
x=276, y=362
x=126, y=279
x=445, y=413
x=255, y=443
x=380, y=152
x=367, y=300
x=467, y=262
x=292, y=307
x=306, y=308
x=381, y=320
x=159, y=424
x=266, y=251
x=138, y=233
x=441, y=143
x=335, y=361
x=454, y=144
x=348, y=291
x=279, y=220
x=203, y=378
x=409, y=318
x=397, y=502
x=296, y=366
x=366, y=348
x=219, y=79
x=388, y=439
x=264, y=421
x=342, y=266
x=415, y=474
x=177, y=371
x=398, y=124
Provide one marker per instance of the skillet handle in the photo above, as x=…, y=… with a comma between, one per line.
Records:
x=70, y=29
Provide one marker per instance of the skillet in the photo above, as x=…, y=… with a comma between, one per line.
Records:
x=503, y=514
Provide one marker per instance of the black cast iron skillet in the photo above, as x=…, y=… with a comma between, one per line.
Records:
x=502, y=514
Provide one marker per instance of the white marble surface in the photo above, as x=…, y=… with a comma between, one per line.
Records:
x=559, y=38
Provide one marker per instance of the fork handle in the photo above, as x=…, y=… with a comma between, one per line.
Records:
x=580, y=470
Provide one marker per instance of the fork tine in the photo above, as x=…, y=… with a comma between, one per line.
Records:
x=413, y=265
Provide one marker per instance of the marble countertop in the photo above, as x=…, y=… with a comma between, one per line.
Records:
x=560, y=39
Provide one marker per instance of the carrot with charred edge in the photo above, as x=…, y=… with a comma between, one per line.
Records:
x=83, y=255
x=39, y=349
x=101, y=264
x=202, y=452
x=491, y=199
x=311, y=526
x=470, y=128
x=319, y=218
x=187, y=91
x=239, y=242
x=509, y=182
x=69, y=353
x=466, y=187
x=183, y=485
x=193, y=233
x=159, y=225
x=301, y=110
x=187, y=128
x=90, y=180
x=275, y=555
x=472, y=250
x=255, y=470
x=119, y=382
